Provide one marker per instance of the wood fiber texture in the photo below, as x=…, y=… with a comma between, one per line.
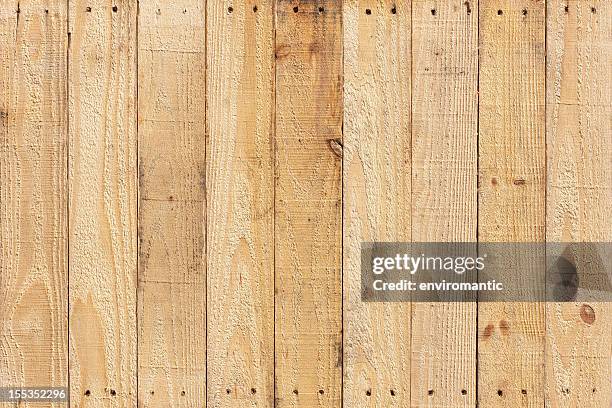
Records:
x=240, y=188
x=102, y=204
x=308, y=205
x=376, y=191
x=33, y=194
x=171, y=217
x=444, y=195
x=579, y=188
x=185, y=188
x=511, y=205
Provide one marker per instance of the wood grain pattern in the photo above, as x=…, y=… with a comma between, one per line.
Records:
x=308, y=227
x=444, y=167
x=579, y=149
x=512, y=193
x=185, y=187
x=33, y=224
x=102, y=203
x=171, y=257
x=376, y=179
x=240, y=187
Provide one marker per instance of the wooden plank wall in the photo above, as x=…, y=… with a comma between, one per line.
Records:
x=184, y=188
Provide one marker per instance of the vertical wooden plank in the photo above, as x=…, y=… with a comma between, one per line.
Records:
x=171, y=152
x=102, y=203
x=240, y=188
x=308, y=204
x=444, y=168
x=33, y=229
x=579, y=192
x=376, y=174
x=512, y=192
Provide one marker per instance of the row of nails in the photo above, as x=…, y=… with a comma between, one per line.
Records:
x=321, y=10
x=368, y=392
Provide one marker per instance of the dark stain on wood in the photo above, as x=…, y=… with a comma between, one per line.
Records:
x=587, y=314
x=314, y=48
x=504, y=327
x=282, y=51
x=488, y=331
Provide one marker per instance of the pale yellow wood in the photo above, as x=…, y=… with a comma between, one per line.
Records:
x=308, y=205
x=240, y=190
x=512, y=193
x=171, y=153
x=102, y=203
x=376, y=174
x=444, y=168
x=258, y=204
x=33, y=229
x=579, y=201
